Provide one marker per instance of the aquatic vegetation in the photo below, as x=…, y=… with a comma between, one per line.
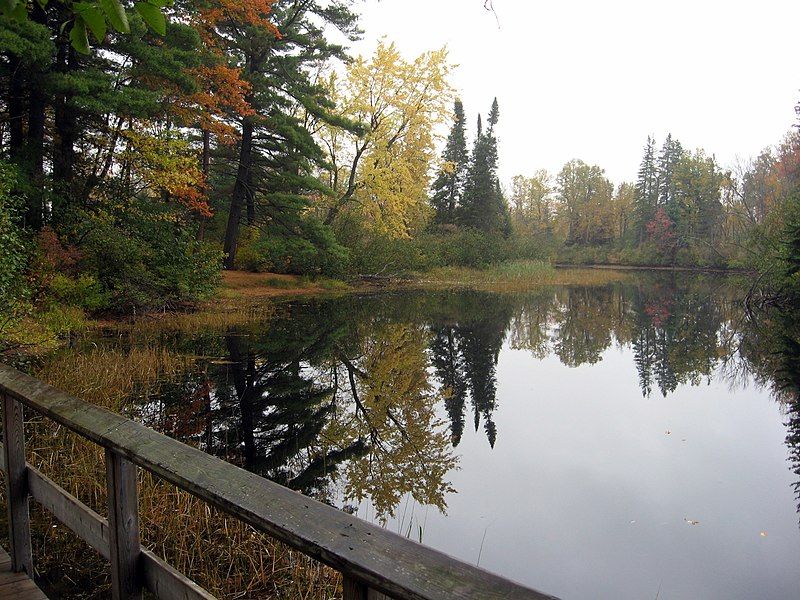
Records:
x=518, y=275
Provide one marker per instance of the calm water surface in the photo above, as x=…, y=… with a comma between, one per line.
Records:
x=628, y=441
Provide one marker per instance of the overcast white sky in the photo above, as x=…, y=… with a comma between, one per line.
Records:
x=591, y=79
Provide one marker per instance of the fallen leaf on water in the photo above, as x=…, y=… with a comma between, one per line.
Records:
x=763, y=534
x=691, y=521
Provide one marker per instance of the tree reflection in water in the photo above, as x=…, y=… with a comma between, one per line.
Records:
x=367, y=397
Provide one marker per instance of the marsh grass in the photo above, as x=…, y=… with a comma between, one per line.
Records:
x=243, y=285
x=224, y=555
x=517, y=276
x=214, y=317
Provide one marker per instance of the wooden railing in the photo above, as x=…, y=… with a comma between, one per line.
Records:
x=374, y=562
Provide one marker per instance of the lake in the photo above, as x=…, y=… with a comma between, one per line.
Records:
x=639, y=439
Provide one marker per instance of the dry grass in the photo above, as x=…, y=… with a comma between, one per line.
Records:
x=222, y=554
x=241, y=284
x=518, y=276
x=214, y=316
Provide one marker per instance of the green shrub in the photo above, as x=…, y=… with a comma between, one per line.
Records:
x=311, y=250
x=383, y=255
x=60, y=321
x=13, y=247
x=145, y=259
x=457, y=248
x=249, y=254
x=83, y=291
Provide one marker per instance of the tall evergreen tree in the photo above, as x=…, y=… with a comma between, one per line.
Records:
x=483, y=206
x=449, y=185
x=671, y=154
x=277, y=152
x=646, y=199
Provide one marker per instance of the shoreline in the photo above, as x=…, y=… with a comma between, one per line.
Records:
x=613, y=267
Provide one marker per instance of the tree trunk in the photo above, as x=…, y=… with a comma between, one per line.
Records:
x=66, y=134
x=201, y=228
x=240, y=192
x=34, y=153
x=251, y=201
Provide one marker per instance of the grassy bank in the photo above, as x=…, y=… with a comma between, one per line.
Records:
x=516, y=276
x=242, y=284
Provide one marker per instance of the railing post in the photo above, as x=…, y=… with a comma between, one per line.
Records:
x=123, y=526
x=354, y=590
x=19, y=524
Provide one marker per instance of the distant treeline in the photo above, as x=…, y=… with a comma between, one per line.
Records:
x=684, y=208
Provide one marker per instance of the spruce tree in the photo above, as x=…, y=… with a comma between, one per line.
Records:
x=671, y=154
x=483, y=206
x=646, y=198
x=448, y=188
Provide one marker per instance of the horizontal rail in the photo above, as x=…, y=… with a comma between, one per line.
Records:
x=382, y=560
x=160, y=578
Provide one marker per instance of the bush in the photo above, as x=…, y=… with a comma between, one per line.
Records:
x=383, y=255
x=471, y=248
x=144, y=259
x=456, y=248
x=83, y=291
x=61, y=321
x=14, y=253
x=313, y=250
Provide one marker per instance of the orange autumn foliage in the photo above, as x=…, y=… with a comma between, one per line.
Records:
x=219, y=12
x=221, y=90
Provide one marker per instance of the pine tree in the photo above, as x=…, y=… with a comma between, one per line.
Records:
x=483, y=206
x=448, y=188
x=646, y=198
x=277, y=152
x=671, y=154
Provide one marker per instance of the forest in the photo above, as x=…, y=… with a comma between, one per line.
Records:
x=146, y=148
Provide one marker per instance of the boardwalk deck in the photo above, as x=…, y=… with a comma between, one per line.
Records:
x=16, y=586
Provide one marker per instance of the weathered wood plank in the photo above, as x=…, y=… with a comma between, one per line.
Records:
x=167, y=583
x=380, y=559
x=87, y=524
x=12, y=577
x=21, y=590
x=16, y=586
x=19, y=527
x=160, y=578
x=123, y=525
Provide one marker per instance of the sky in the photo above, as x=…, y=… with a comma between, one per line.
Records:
x=592, y=79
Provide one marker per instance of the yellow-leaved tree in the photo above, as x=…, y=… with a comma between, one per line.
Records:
x=382, y=174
